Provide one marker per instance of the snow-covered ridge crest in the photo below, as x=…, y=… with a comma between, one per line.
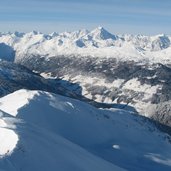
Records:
x=23, y=98
x=98, y=42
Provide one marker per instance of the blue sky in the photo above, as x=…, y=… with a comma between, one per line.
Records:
x=118, y=16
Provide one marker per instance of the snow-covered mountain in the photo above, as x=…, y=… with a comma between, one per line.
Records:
x=128, y=74
x=98, y=42
x=133, y=70
x=43, y=131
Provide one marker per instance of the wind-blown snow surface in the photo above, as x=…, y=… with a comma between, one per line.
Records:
x=98, y=42
x=58, y=133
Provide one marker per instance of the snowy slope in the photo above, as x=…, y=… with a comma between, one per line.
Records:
x=29, y=146
x=98, y=42
x=53, y=132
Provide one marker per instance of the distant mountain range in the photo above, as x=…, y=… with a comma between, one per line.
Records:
x=98, y=42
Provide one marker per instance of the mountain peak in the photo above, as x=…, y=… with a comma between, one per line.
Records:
x=100, y=28
x=102, y=33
